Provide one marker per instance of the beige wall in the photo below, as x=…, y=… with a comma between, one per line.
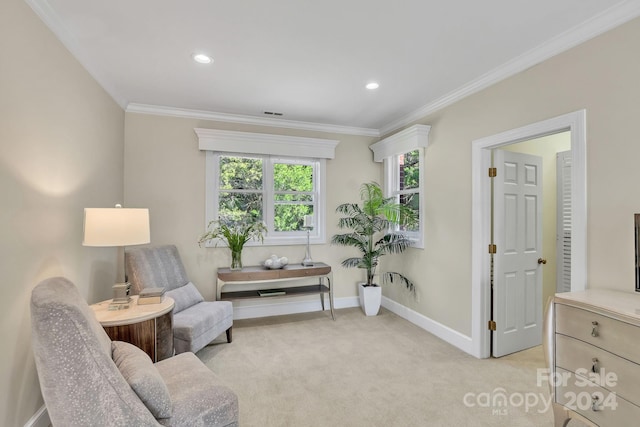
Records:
x=61, y=149
x=165, y=171
x=600, y=76
x=547, y=147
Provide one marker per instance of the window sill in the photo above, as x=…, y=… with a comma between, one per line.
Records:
x=275, y=241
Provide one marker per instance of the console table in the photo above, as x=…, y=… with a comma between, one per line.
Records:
x=148, y=326
x=260, y=274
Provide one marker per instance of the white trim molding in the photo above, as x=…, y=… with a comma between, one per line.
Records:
x=481, y=214
x=416, y=136
x=289, y=307
x=263, y=143
x=615, y=16
x=39, y=419
x=159, y=110
x=453, y=337
x=607, y=20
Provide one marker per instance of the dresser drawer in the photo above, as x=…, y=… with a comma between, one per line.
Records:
x=617, y=337
x=612, y=410
x=616, y=374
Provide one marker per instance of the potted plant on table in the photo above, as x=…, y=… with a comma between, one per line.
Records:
x=235, y=233
x=372, y=226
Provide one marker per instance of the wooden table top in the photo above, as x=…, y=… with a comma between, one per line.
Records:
x=259, y=272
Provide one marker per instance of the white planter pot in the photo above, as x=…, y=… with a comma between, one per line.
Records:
x=370, y=299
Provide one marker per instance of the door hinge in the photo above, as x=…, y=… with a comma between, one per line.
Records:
x=493, y=172
x=492, y=325
x=492, y=249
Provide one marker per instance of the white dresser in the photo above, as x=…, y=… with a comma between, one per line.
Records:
x=592, y=346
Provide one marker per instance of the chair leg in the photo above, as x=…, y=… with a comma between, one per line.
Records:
x=229, y=338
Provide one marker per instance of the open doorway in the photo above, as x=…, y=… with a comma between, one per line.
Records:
x=575, y=123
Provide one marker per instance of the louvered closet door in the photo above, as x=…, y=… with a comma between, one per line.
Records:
x=563, y=231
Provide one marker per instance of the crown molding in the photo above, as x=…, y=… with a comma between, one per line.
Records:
x=248, y=120
x=607, y=20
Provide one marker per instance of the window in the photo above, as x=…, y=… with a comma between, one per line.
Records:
x=280, y=190
x=403, y=157
x=276, y=190
x=404, y=184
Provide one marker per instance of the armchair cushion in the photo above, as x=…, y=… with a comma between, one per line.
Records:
x=198, y=325
x=206, y=402
x=138, y=370
x=155, y=267
x=185, y=297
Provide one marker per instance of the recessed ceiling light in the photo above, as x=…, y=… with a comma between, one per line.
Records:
x=202, y=58
x=372, y=86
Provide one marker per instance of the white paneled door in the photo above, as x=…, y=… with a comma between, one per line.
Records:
x=518, y=261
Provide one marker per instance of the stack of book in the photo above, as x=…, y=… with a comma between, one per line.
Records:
x=151, y=296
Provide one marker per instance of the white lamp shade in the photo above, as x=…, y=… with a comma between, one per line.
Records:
x=116, y=227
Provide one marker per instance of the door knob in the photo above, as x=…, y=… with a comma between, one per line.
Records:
x=542, y=261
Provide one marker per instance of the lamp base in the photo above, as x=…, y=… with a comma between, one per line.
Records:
x=120, y=296
x=307, y=261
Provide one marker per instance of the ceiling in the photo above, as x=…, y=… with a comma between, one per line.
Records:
x=310, y=60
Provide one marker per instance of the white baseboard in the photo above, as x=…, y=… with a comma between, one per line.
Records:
x=455, y=338
x=289, y=307
x=39, y=419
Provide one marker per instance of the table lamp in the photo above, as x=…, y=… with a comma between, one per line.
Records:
x=307, y=225
x=116, y=227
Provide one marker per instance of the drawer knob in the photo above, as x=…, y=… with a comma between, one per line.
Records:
x=594, y=403
x=594, y=330
x=594, y=366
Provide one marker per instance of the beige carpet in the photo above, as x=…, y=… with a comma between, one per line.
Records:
x=306, y=370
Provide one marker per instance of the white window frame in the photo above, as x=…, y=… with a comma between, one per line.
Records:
x=272, y=149
x=316, y=235
x=389, y=151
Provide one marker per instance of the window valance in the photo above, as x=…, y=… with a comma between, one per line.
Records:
x=409, y=139
x=262, y=143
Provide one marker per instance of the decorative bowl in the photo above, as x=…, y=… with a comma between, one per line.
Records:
x=275, y=262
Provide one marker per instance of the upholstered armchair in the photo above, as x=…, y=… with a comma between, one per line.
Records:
x=88, y=380
x=196, y=322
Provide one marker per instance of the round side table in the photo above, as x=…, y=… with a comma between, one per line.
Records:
x=147, y=326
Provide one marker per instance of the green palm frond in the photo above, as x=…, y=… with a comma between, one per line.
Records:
x=371, y=224
x=391, y=275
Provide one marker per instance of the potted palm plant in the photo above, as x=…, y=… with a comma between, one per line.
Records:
x=373, y=232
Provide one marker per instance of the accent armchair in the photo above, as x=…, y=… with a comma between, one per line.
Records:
x=196, y=322
x=88, y=380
